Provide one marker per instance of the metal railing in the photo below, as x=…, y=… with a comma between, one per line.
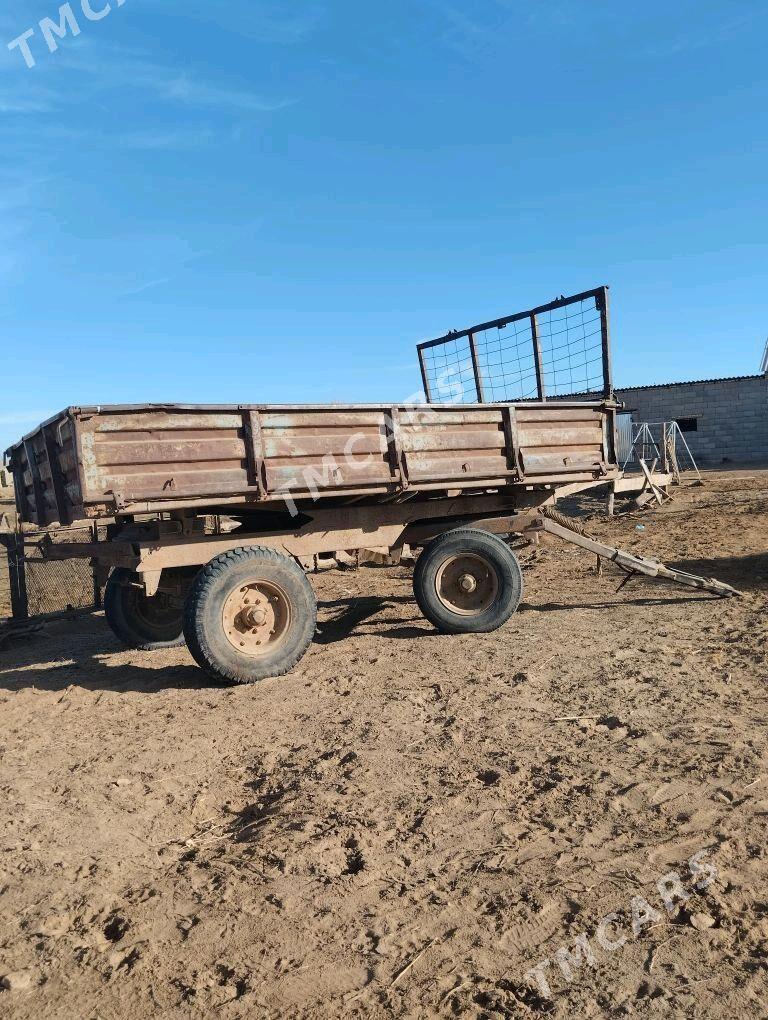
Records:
x=659, y=443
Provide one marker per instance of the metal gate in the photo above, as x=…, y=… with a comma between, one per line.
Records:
x=624, y=436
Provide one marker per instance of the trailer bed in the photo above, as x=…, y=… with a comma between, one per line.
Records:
x=98, y=462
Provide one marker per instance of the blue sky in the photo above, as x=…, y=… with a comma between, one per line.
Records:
x=240, y=201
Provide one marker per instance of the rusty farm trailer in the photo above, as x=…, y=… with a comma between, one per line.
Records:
x=289, y=482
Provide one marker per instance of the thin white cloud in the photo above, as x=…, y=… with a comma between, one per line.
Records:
x=115, y=67
x=697, y=37
x=103, y=66
x=149, y=139
x=193, y=92
x=145, y=286
x=158, y=139
x=20, y=105
x=175, y=266
x=473, y=38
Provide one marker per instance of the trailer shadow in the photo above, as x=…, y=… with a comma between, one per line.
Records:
x=78, y=652
x=364, y=609
x=119, y=679
x=747, y=572
x=550, y=607
x=352, y=612
x=426, y=629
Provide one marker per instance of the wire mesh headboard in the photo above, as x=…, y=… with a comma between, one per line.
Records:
x=557, y=350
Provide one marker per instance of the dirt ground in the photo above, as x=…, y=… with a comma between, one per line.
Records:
x=408, y=823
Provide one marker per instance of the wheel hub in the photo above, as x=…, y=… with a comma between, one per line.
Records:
x=256, y=617
x=467, y=584
x=253, y=617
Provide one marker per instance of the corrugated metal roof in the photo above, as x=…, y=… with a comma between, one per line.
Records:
x=689, y=382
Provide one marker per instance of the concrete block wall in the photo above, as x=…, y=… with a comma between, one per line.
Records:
x=732, y=416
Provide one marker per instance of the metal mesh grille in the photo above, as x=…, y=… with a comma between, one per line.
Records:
x=54, y=586
x=5, y=585
x=450, y=372
x=556, y=350
x=572, y=348
x=507, y=363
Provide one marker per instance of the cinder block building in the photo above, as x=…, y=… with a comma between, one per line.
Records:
x=725, y=421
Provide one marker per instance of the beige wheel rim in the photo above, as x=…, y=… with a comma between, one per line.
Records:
x=256, y=617
x=467, y=584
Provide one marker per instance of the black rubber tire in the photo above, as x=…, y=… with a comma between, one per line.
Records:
x=479, y=543
x=130, y=614
x=203, y=623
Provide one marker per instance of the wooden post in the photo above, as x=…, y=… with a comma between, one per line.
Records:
x=611, y=500
x=94, y=571
x=17, y=576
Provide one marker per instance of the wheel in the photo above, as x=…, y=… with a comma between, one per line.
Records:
x=467, y=582
x=140, y=621
x=250, y=614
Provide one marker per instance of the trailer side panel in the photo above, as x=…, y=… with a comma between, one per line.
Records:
x=94, y=462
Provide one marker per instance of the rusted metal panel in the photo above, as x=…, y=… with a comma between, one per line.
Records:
x=397, y=456
x=327, y=450
x=451, y=446
x=279, y=445
x=549, y=461
x=39, y=498
x=434, y=439
x=561, y=434
x=255, y=452
x=456, y=470
x=329, y=417
x=435, y=414
x=153, y=451
x=97, y=462
x=62, y=510
x=331, y=476
x=18, y=465
x=148, y=419
x=557, y=411
x=559, y=439
x=155, y=455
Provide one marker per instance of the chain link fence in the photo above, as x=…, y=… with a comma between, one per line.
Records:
x=32, y=585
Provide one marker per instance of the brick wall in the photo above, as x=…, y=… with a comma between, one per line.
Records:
x=731, y=416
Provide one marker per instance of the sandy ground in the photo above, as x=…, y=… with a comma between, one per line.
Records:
x=408, y=823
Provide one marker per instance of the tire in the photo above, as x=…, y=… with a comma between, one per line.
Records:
x=137, y=620
x=250, y=614
x=457, y=560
